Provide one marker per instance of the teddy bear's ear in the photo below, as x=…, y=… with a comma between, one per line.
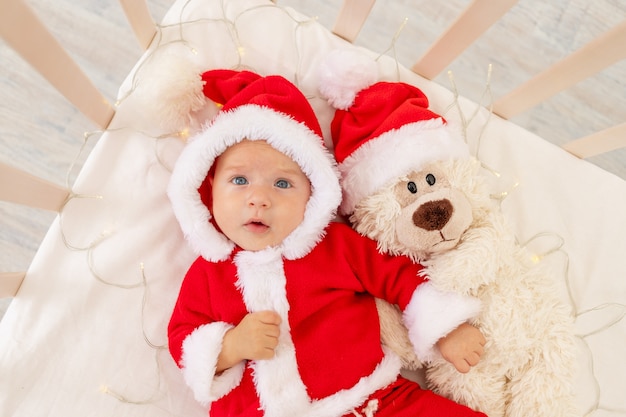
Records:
x=466, y=175
x=375, y=215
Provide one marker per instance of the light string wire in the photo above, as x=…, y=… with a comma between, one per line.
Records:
x=556, y=249
x=92, y=246
x=576, y=313
x=231, y=24
x=466, y=121
x=486, y=94
x=73, y=195
x=158, y=348
x=299, y=24
x=392, y=47
x=142, y=283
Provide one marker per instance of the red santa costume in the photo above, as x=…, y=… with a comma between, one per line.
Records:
x=322, y=280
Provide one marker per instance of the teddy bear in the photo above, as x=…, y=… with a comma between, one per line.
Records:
x=410, y=184
x=530, y=355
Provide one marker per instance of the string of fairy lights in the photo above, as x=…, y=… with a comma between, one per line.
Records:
x=230, y=26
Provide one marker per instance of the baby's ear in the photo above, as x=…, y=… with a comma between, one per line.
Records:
x=206, y=188
x=210, y=176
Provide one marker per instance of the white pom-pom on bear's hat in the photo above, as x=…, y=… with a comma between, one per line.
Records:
x=385, y=131
x=343, y=73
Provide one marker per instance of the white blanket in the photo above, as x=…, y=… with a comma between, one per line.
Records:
x=86, y=334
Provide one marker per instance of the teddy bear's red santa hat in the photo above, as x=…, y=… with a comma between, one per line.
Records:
x=381, y=130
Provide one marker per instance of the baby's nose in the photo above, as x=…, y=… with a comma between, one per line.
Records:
x=259, y=198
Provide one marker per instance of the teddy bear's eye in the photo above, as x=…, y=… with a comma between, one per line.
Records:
x=412, y=187
x=430, y=179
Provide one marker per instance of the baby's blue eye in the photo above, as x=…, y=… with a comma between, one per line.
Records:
x=239, y=181
x=283, y=184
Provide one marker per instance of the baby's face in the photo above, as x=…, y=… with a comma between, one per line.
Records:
x=259, y=195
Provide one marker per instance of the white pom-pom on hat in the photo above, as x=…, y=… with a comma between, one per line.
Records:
x=381, y=130
x=343, y=73
x=171, y=88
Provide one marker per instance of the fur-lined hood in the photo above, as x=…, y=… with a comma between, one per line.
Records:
x=189, y=190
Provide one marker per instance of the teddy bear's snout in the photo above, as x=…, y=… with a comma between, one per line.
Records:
x=433, y=215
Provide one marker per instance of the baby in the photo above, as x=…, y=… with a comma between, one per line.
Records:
x=277, y=315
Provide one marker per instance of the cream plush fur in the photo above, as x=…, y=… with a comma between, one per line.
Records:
x=528, y=365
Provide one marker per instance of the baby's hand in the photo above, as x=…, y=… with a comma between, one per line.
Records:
x=462, y=347
x=254, y=338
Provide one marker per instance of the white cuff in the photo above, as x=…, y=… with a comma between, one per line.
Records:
x=199, y=362
x=431, y=314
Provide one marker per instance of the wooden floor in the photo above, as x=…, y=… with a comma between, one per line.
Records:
x=41, y=133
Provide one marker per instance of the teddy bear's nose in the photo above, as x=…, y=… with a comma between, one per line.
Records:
x=433, y=215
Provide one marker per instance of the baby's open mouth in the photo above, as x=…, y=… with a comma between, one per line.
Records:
x=256, y=226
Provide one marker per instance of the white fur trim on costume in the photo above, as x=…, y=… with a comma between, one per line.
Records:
x=199, y=361
x=432, y=314
x=254, y=123
x=395, y=153
x=344, y=401
x=282, y=393
x=343, y=73
x=261, y=280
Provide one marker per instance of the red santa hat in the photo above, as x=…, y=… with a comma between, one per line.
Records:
x=255, y=108
x=383, y=131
